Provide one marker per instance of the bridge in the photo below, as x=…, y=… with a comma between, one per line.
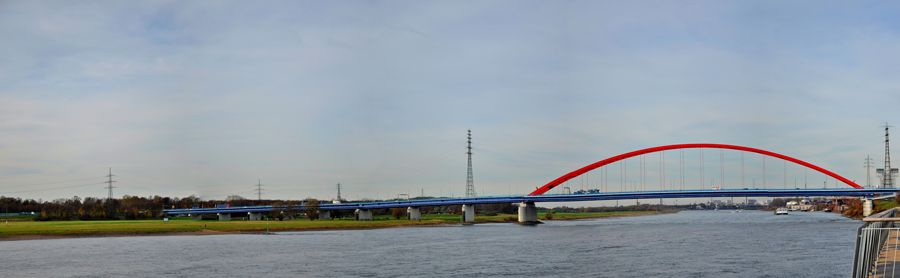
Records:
x=528, y=210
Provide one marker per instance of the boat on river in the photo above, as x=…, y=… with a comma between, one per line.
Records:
x=781, y=211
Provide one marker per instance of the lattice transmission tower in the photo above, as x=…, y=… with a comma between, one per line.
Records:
x=339, y=192
x=868, y=164
x=888, y=171
x=259, y=190
x=110, y=185
x=470, y=183
x=109, y=205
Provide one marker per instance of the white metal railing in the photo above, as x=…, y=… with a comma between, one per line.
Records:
x=877, y=248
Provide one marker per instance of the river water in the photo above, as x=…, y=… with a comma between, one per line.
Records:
x=686, y=244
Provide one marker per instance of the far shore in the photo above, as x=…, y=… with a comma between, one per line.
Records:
x=33, y=230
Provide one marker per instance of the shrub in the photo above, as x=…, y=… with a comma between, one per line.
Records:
x=398, y=212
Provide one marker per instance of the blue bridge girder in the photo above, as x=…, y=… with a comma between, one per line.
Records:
x=556, y=198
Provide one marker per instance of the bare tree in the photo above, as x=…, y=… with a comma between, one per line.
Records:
x=312, y=209
x=277, y=211
x=398, y=213
x=778, y=202
x=290, y=209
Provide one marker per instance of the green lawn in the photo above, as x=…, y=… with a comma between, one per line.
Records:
x=185, y=224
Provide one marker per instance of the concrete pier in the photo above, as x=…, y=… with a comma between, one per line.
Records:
x=196, y=216
x=324, y=215
x=867, y=208
x=364, y=215
x=412, y=213
x=468, y=213
x=528, y=213
x=224, y=216
x=254, y=216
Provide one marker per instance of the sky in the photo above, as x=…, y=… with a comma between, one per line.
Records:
x=212, y=98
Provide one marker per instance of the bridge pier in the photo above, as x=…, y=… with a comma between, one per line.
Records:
x=324, y=215
x=412, y=213
x=224, y=216
x=364, y=215
x=528, y=213
x=254, y=216
x=468, y=213
x=196, y=216
x=867, y=208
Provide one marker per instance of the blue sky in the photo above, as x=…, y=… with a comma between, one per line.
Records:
x=205, y=98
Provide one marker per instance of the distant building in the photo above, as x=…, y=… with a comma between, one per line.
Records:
x=751, y=201
x=801, y=205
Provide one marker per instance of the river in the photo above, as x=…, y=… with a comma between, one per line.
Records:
x=686, y=244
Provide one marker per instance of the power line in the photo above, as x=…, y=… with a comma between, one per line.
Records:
x=23, y=176
x=33, y=184
x=168, y=180
x=433, y=162
x=155, y=190
x=35, y=190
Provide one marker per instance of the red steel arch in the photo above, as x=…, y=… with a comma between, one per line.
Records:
x=604, y=162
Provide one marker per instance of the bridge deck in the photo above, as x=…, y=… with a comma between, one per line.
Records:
x=559, y=198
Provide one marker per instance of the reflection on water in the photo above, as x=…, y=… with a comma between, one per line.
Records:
x=686, y=244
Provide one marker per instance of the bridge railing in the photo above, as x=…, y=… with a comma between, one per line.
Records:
x=878, y=233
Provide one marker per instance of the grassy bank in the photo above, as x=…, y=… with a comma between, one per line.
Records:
x=884, y=205
x=12, y=230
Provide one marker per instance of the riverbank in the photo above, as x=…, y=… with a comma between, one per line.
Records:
x=32, y=230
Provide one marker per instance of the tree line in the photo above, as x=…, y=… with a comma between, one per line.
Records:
x=93, y=208
x=127, y=207
x=151, y=207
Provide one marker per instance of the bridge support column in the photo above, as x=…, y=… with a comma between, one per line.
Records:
x=224, y=216
x=324, y=215
x=528, y=213
x=468, y=213
x=254, y=216
x=412, y=213
x=196, y=216
x=867, y=208
x=364, y=215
